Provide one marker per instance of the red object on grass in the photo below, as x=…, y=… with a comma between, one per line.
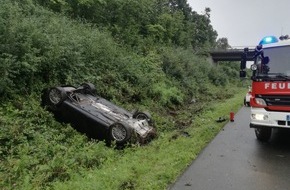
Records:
x=232, y=116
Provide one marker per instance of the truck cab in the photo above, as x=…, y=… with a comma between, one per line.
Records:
x=270, y=100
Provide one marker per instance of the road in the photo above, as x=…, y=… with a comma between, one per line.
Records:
x=236, y=160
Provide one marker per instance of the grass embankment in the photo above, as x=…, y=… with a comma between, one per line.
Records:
x=36, y=152
x=157, y=165
x=40, y=48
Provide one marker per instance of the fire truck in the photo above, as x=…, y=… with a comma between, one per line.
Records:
x=270, y=97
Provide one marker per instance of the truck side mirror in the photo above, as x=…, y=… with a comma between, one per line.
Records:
x=243, y=64
x=242, y=74
x=266, y=60
x=243, y=61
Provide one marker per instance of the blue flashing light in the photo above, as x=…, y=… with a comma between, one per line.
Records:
x=268, y=40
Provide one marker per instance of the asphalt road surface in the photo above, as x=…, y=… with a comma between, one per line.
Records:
x=236, y=160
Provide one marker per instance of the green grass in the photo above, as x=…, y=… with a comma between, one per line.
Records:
x=41, y=49
x=36, y=152
x=157, y=165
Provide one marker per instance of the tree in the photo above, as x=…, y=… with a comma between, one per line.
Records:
x=137, y=22
x=222, y=43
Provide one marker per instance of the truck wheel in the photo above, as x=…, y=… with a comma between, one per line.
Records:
x=143, y=116
x=263, y=134
x=120, y=132
x=89, y=88
x=56, y=95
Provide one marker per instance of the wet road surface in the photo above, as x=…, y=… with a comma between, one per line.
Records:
x=236, y=160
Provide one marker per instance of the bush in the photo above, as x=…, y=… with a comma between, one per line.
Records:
x=39, y=48
x=36, y=150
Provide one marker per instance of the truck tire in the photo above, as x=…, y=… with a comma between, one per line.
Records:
x=263, y=134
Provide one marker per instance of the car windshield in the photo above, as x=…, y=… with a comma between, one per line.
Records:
x=279, y=62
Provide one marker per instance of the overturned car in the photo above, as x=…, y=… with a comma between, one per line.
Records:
x=97, y=117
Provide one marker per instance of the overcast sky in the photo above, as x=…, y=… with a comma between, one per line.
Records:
x=245, y=22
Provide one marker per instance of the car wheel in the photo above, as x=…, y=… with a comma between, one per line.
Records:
x=56, y=95
x=263, y=134
x=89, y=88
x=120, y=132
x=143, y=116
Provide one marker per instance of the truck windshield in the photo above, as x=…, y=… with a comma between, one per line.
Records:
x=279, y=62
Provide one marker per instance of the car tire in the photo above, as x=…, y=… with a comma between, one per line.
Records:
x=263, y=134
x=143, y=116
x=120, y=132
x=56, y=96
x=89, y=88
x=245, y=103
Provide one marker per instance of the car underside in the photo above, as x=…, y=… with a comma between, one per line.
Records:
x=97, y=117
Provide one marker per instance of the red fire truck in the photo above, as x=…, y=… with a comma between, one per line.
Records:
x=270, y=100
